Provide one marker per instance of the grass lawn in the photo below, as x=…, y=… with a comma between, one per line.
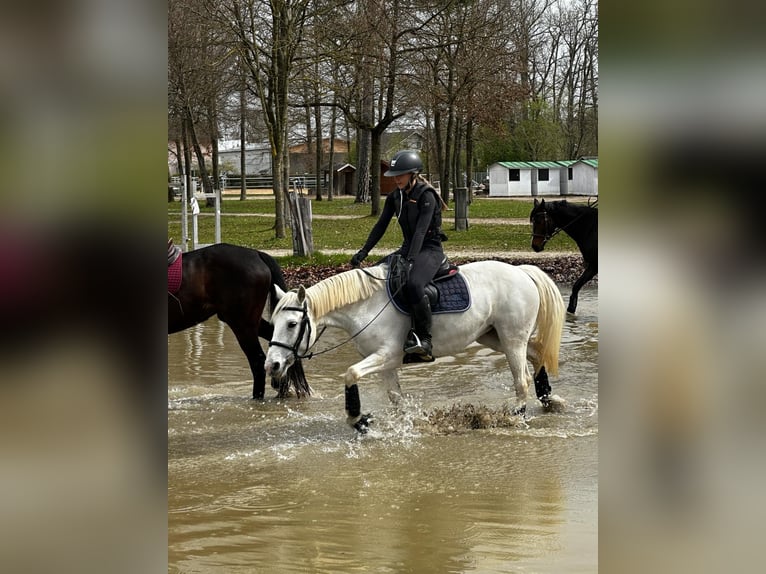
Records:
x=258, y=232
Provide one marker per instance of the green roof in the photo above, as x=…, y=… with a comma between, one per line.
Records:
x=547, y=164
x=530, y=164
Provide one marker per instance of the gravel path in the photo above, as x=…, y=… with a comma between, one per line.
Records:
x=471, y=221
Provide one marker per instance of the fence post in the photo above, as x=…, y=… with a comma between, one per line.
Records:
x=300, y=209
x=195, y=214
x=461, y=208
x=184, y=214
x=218, y=215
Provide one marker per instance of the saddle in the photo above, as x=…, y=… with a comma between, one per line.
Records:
x=447, y=292
x=175, y=269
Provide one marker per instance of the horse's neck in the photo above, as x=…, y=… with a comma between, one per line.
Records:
x=574, y=222
x=339, y=292
x=349, y=317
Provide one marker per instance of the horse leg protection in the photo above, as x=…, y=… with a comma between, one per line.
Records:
x=353, y=404
x=356, y=419
x=542, y=387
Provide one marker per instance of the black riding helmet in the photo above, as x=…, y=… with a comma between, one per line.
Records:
x=405, y=161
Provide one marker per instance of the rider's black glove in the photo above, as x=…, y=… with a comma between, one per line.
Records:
x=357, y=259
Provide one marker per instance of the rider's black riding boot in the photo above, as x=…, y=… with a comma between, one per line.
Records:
x=419, y=338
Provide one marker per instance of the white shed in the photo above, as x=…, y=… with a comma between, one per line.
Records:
x=524, y=178
x=580, y=177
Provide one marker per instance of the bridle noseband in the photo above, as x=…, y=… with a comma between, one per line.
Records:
x=305, y=325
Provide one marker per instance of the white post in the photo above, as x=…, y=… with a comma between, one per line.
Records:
x=195, y=214
x=184, y=215
x=218, y=215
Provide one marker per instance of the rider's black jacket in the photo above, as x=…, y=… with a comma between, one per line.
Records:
x=420, y=218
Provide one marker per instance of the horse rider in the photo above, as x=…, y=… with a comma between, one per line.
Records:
x=417, y=207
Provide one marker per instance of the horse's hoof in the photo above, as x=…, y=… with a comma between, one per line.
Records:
x=553, y=404
x=362, y=425
x=519, y=411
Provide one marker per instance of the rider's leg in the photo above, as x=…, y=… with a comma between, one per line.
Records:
x=423, y=270
x=419, y=341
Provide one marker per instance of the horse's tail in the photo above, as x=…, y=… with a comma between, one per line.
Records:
x=550, y=318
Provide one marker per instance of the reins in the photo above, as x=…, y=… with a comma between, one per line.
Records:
x=306, y=322
x=180, y=306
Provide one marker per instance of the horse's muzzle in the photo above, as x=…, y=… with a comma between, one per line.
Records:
x=537, y=246
x=276, y=369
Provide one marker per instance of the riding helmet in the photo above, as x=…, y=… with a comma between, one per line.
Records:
x=405, y=161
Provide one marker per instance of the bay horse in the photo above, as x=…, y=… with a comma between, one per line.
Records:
x=580, y=222
x=236, y=283
x=517, y=310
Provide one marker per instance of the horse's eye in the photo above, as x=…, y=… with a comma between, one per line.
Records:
x=292, y=324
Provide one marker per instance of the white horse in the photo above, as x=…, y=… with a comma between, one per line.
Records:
x=517, y=310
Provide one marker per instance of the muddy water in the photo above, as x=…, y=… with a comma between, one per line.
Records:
x=285, y=486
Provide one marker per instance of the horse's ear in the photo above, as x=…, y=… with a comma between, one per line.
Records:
x=301, y=294
x=542, y=202
x=537, y=202
x=278, y=292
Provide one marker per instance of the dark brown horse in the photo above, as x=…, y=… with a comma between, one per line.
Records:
x=580, y=222
x=236, y=284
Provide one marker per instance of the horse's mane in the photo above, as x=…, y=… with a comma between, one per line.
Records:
x=341, y=290
x=569, y=207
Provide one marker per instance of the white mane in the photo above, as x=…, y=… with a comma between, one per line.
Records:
x=340, y=290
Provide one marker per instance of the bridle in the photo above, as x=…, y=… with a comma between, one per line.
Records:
x=306, y=325
x=548, y=223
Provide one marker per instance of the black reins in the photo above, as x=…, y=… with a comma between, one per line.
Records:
x=306, y=324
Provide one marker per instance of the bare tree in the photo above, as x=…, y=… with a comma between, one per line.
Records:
x=197, y=80
x=266, y=36
x=487, y=80
x=467, y=50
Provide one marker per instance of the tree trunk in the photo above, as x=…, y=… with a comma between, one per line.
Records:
x=186, y=159
x=375, y=171
x=446, y=176
x=458, y=178
x=331, y=158
x=363, y=169
x=198, y=153
x=469, y=155
x=319, y=150
x=243, y=142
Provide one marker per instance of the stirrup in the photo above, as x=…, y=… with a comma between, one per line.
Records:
x=414, y=346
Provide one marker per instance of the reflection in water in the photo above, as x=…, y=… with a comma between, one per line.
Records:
x=286, y=486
